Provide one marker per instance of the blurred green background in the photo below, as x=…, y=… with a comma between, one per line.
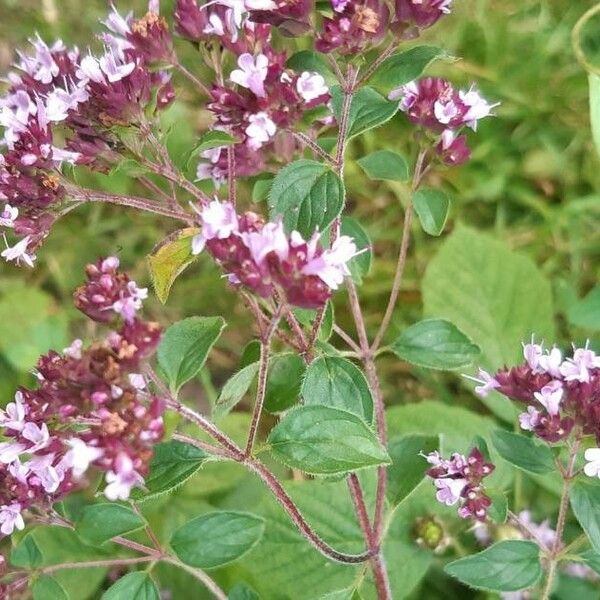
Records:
x=533, y=184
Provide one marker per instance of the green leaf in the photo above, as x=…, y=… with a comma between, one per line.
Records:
x=47, y=588
x=261, y=188
x=384, y=164
x=586, y=312
x=284, y=380
x=498, y=510
x=585, y=500
x=325, y=441
x=507, y=566
x=209, y=140
x=432, y=207
x=172, y=465
x=101, y=522
x=497, y=297
x=169, y=259
x=592, y=560
x=368, y=109
x=185, y=346
x=594, y=83
x=26, y=554
x=285, y=565
x=234, y=390
x=133, y=586
x=523, y=452
x=403, y=67
x=308, y=195
x=241, y=591
x=408, y=468
x=29, y=324
x=359, y=265
x=218, y=538
x=306, y=316
x=435, y=344
x=308, y=60
x=336, y=382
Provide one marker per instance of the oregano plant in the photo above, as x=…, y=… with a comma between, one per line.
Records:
x=334, y=496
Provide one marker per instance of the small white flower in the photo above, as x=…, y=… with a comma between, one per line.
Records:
x=74, y=350
x=122, y=480
x=13, y=417
x=592, y=467
x=486, y=381
x=11, y=519
x=80, y=456
x=19, y=253
x=260, y=130
x=449, y=490
x=332, y=265
x=311, y=86
x=529, y=420
x=114, y=69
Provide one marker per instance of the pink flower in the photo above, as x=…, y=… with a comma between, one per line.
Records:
x=74, y=350
x=551, y=361
x=10, y=451
x=37, y=435
x=11, y=519
x=331, y=266
x=449, y=490
x=128, y=305
x=260, y=130
x=47, y=475
x=578, y=368
x=530, y=419
x=8, y=216
x=122, y=480
x=252, y=73
x=311, y=86
x=271, y=238
x=486, y=381
x=80, y=456
x=218, y=220
x=14, y=415
x=114, y=68
x=477, y=107
x=550, y=396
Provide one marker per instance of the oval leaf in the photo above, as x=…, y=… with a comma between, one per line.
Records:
x=432, y=208
x=134, y=586
x=284, y=380
x=404, y=67
x=47, y=588
x=585, y=500
x=101, y=522
x=234, y=390
x=308, y=195
x=408, y=468
x=217, y=538
x=368, y=109
x=324, y=441
x=508, y=566
x=523, y=452
x=172, y=465
x=169, y=259
x=185, y=346
x=435, y=344
x=384, y=164
x=338, y=383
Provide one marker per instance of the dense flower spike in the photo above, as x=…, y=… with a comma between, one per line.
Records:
x=354, y=26
x=261, y=257
x=437, y=106
x=85, y=96
x=560, y=393
x=90, y=408
x=459, y=479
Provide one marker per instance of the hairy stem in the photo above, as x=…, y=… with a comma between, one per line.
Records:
x=186, y=73
x=402, y=256
x=263, y=371
x=87, y=195
x=554, y=555
x=200, y=575
x=255, y=466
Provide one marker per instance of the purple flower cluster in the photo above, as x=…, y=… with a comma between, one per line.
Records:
x=460, y=479
x=438, y=107
x=560, y=392
x=261, y=257
x=90, y=408
x=85, y=97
